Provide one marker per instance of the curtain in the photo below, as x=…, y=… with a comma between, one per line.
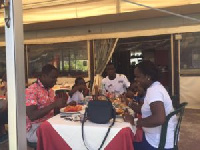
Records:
x=103, y=50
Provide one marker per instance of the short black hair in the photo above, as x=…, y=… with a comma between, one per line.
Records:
x=149, y=68
x=78, y=79
x=48, y=68
x=110, y=63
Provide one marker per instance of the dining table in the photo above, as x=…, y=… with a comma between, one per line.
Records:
x=59, y=133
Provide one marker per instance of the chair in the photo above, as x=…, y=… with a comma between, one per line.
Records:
x=179, y=113
x=32, y=145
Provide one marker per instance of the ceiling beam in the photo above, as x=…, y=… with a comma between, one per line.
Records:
x=110, y=18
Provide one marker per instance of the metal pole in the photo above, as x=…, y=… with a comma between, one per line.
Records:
x=89, y=59
x=15, y=75
x=172, y=63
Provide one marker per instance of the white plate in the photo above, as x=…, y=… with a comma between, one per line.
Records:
x=62, y=111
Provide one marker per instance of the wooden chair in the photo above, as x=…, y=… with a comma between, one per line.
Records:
x=179, y=113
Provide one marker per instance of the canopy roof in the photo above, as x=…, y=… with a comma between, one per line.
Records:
x=35, y=11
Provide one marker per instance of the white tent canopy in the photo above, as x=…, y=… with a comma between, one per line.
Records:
x=35, y=11
x=68, y=21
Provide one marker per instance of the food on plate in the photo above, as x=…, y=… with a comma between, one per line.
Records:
x=73, y=108
x=118, y=104
x=119, y=111
x=102, y=98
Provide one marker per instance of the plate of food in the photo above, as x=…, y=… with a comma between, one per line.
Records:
x=71, y=109
x=120, y=107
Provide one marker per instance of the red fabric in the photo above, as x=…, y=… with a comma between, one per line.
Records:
x=139, y=135
x=139, y=132
x=122, y=141
x=49, y=139
x=2, y=97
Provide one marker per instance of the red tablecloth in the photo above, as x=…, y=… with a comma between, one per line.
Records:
x=49, y=139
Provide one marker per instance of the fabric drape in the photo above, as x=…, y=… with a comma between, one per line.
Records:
x=103, y=50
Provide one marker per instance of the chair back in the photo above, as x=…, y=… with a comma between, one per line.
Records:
x=179, y=113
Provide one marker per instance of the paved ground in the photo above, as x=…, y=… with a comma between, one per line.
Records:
x=190, y=127
x=189, y=135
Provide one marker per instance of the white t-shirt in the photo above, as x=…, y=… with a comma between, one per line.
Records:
x=156, y=92
x=118, y=85
x=77, y=96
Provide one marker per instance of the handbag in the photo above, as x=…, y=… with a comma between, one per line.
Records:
x=100, y=112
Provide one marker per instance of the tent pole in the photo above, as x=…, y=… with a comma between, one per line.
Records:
x=15, y=74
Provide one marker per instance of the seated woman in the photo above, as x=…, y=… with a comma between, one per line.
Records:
x=3, y=111
x=157, y=105
x=78, y=92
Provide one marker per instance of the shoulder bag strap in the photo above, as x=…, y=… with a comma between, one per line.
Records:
x=83, y=121
x=107, y=133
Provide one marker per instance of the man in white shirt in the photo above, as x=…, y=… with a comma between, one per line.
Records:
x=114, y=83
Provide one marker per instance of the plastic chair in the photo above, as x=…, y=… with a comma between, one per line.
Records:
x=32, y=145
x=179, y=113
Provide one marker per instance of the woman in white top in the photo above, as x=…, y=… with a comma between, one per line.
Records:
x=157, y=105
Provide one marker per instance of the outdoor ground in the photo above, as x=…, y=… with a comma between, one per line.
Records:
x=189, y=136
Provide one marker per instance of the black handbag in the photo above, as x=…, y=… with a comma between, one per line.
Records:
x=100, y=112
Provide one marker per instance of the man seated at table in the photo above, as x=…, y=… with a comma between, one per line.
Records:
x=78, y=92
x=40, y=101
x=3, y=110
x=114, y=84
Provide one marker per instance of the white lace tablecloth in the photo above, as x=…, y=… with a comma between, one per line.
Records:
x=71, y=132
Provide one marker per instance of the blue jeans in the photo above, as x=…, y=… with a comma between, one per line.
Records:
x=144, y=145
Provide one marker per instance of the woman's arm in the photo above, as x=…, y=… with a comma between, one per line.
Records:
x=156, y=119
x=135, y=106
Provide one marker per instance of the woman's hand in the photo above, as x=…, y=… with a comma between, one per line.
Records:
x=128, y=118
x=130, y=94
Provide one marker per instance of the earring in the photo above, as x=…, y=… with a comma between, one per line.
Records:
x=148, y=78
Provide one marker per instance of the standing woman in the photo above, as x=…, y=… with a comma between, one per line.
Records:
x=157, y=105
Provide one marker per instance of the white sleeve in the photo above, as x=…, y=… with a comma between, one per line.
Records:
x=127, y=83
x=69, y=99
x=81, y=96
x=153, y=95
